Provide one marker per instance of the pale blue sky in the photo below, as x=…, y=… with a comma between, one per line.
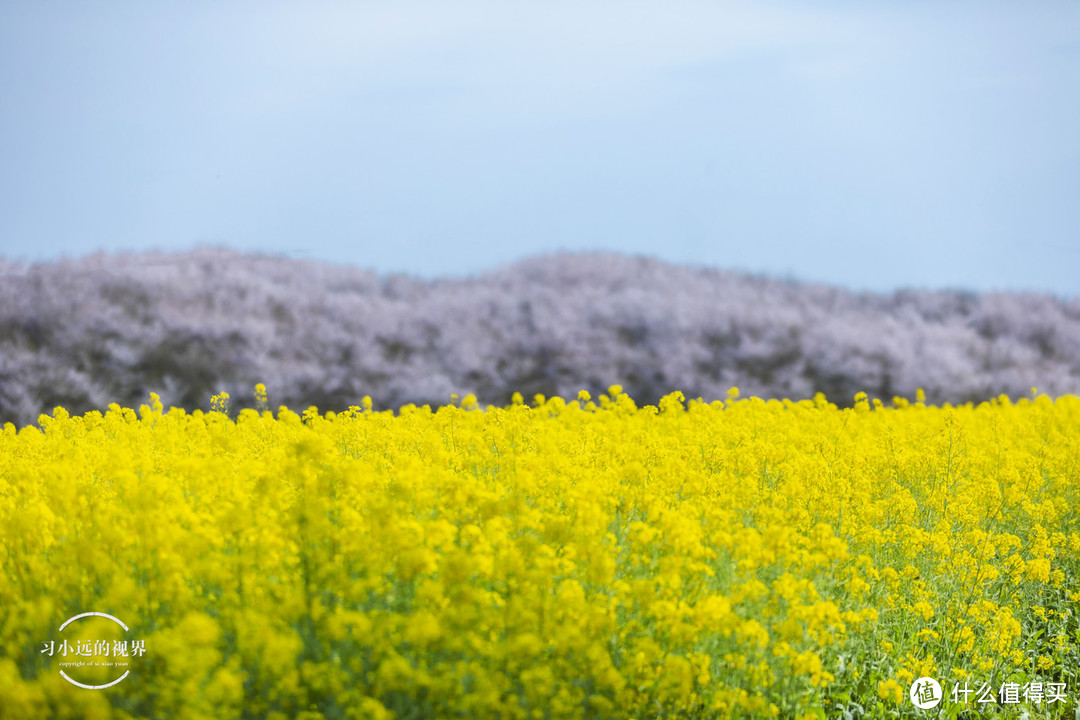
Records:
x=872, y=145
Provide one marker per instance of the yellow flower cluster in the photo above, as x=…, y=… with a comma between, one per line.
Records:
x=580, y=559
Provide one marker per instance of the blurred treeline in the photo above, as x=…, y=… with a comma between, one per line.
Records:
x=113, y=328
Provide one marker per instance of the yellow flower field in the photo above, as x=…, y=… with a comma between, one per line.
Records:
x=564, y=559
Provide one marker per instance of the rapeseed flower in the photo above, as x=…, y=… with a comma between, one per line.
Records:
x=574, y=559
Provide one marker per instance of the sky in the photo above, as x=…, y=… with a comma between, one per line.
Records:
x=869, y=145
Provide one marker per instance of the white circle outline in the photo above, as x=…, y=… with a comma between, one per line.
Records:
x=93, y=614
x=94, y=687
x=88, y=614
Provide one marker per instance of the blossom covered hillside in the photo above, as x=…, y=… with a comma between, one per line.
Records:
x=112, y=328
